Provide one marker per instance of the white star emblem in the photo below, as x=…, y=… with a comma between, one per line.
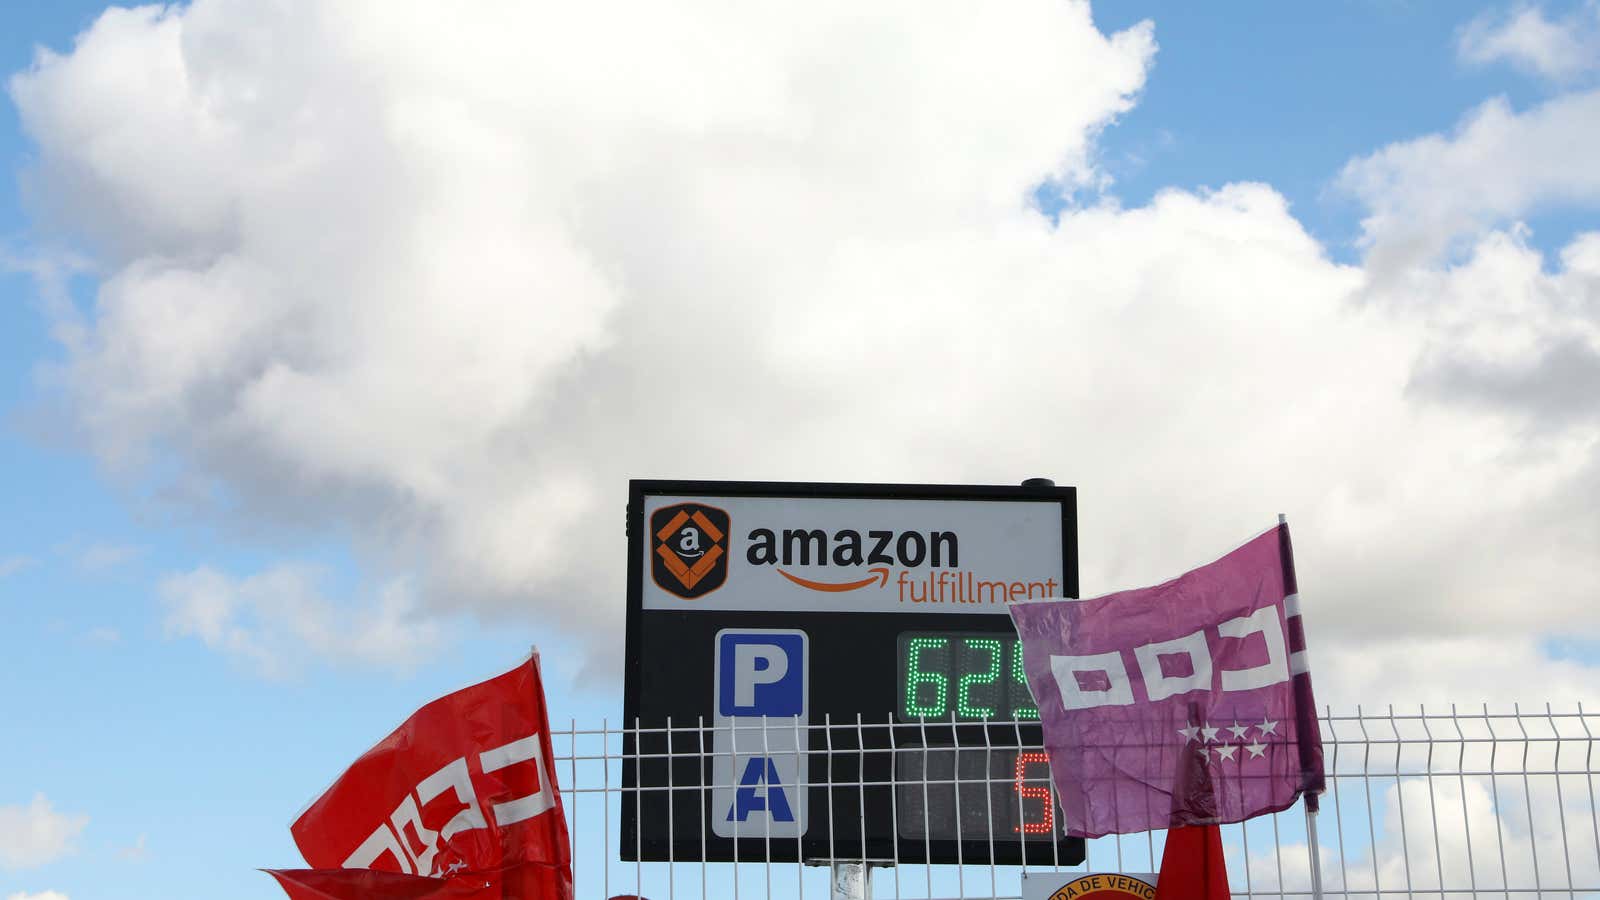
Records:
x=1188, y=733
x=1267, y=726
x=1238, y=730
x=1256, y=748
x=1225, y=751
x=1209, y=733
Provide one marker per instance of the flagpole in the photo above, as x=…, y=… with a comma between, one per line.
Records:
x=1310, y=800
x=1311, y=846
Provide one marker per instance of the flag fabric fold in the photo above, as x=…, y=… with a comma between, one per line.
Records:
x=514, y=883
x=458, y=803
x=359, y=884
x=1187, y=703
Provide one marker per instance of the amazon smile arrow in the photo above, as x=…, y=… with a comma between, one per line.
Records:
x=881, y=576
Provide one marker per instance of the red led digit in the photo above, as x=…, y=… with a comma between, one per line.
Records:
x=1041, y=793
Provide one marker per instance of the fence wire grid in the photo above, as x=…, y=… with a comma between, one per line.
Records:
x=1443, y=805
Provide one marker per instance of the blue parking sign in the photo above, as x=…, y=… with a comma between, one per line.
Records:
x=761, y=673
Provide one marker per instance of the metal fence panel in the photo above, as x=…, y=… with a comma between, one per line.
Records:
x=1443, y=805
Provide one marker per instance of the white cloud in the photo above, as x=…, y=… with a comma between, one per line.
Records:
x=1438, y=671
x=411, y=278
x=1524, y=38
x=11, y=565
x=98, y=557
x=43, y=895
x=501, y=225
x=1517, y=164
x=1518, y=336
x=36, y=834
x=278, y=620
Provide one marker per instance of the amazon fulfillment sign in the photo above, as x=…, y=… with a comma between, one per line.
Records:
x=794, y=605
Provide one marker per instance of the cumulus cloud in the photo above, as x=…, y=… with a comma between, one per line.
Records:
x=1439, y=671
x=278, y=620
x=527, y=254
x=1517, y=163
x=443, y=281
x=36, y=834
x=43, y=895
x=1527, y=40
x=1519, y=337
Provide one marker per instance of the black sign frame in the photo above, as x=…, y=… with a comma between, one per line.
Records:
x=673, y=768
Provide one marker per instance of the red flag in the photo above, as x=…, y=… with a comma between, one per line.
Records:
x=1192, y=867
x=458, y=802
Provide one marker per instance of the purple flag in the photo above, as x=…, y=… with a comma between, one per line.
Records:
x=1187, y=703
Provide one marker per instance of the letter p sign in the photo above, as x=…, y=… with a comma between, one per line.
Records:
x=755, y=664
x=761, y=673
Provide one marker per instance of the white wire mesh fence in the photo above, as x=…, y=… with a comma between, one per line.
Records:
x=1443, y=805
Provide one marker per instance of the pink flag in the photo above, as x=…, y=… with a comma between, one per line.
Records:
x=1187, y=703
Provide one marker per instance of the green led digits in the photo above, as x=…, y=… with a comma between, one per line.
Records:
x=1022, y=706
x=917, y=676
x=983, y=670
x=989, y=673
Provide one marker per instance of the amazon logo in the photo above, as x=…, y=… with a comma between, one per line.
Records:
x=689, y=549
x=849, y=548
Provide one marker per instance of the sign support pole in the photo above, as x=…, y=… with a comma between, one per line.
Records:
x=851, y=881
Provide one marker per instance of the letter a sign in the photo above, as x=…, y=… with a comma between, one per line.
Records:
x=759, y=774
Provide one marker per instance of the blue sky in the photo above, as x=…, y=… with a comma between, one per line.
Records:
x=183, y=763
x=1288, y=95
